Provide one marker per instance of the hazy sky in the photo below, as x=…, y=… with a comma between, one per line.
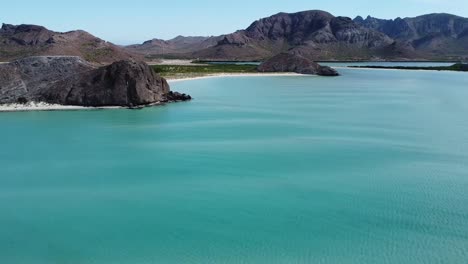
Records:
x=134, y=21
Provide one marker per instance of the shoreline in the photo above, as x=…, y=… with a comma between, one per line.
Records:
x=225, y=75
x=40, y=106
x=49, y=107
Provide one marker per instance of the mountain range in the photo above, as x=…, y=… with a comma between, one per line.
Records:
x=433, y=35
x=321, y=36
x=314, y=34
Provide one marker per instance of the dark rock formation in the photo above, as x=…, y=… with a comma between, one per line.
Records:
x=177, y=97
x=73, y=81
x=30, y=40
x=285, y=62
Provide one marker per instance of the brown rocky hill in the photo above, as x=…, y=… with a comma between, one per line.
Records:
x=31, y=40
x=314, y=34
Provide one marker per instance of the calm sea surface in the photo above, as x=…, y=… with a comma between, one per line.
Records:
x=369, y=167
x=387, y=64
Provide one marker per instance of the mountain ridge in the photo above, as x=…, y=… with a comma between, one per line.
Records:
x=314, y=34
x=434, y=35
x=20, y=41
x=177, y=45
x=319, y=35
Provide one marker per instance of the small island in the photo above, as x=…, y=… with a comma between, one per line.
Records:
x=286, y=62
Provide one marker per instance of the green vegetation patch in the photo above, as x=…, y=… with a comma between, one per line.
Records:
x=187, y=71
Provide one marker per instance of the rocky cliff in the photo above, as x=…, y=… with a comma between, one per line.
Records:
x=73, y=81
x=31, y=40
x=285, y=62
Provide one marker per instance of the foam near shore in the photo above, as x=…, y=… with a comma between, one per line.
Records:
x=41, y=106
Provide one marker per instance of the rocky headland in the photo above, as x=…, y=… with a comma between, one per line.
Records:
x=74, y=81
x=286, y=62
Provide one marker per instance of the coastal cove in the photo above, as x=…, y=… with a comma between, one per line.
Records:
x=179, y=70
x=271, y=169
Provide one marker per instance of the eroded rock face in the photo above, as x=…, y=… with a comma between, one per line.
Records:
x=286, y=62
x=29, y=77
x=123, y=83
x=72, y=81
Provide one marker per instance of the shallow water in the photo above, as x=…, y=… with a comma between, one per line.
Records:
x=369, y=167
x=388, y=64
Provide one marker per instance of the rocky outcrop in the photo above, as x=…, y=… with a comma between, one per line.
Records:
x=73, y=81
x=30, y=40
x=285, y=62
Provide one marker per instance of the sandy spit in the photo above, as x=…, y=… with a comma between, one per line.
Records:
x=224, y=75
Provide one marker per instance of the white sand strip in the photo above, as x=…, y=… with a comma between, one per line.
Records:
x=221, y=75
x=40, y=106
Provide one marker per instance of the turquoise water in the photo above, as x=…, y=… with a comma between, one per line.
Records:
x=369, y=167
x=387, y=64
x=364, y=63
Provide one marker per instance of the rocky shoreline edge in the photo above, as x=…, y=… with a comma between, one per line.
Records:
x=71, y=83
x=46, y=83
x=43, y=106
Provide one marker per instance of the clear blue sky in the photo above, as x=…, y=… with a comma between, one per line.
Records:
x=133, y=21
